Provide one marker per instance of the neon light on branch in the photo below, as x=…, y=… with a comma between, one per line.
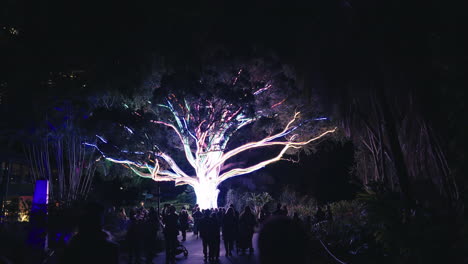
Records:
x=204, y=130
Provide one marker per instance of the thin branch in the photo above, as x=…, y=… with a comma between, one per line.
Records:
x=266, y=142
x=184, y=140
x=172, y=164
x=241, y=171
x=287, y=145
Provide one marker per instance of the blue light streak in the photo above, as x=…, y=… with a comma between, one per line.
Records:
x=128, y=129
x=101, y=138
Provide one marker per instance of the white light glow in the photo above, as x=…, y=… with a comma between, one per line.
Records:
x=204, y=142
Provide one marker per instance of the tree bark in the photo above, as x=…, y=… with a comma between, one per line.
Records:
x=389, y=124
x=207, y=195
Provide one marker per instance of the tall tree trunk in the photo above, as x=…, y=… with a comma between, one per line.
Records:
x=207, y=195
x=395, y=147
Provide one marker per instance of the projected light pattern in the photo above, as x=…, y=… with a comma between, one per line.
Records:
x=203, y=129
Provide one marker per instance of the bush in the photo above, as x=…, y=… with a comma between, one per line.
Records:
x=303, y=205
x=187, y=196
x=234, y=198
x=256, y=201
x=349, y=227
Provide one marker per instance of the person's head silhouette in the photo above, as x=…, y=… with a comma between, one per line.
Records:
x=207, y=213
x=172, y=209
x=230, y=212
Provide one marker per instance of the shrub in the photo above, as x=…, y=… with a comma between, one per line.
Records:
x=256, y=201
x=304, y=205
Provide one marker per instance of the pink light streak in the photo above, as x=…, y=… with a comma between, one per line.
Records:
x=259, y=91
x=204, y=139
x=279, y=103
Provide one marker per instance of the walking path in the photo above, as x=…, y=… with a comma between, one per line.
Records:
x=195, y=249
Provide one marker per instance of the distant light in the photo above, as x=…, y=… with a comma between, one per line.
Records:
x=121, y=188
x=14, y=31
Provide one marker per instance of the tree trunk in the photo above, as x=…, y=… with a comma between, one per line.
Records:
x=207, y=194
x=395, y=147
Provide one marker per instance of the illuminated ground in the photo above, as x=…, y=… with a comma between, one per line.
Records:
x=194, y=247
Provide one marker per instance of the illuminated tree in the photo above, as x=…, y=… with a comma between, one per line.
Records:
x=213, y=117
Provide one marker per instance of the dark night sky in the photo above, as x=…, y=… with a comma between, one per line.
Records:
x=321, y=38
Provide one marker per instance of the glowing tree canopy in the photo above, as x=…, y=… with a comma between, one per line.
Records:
x=187, y=132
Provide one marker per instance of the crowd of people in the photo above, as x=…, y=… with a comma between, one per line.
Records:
x=208, y=225
x=142, y=226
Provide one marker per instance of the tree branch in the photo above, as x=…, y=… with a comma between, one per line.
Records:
x=172, y=164
x=267, y=142
x=241, y=171
x=287, y=145
x=184, y=140
x=155, y=173
x=257, y=144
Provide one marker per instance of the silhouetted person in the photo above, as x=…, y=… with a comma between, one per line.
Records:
x=141, y=212
x=278, y=210
x=122, y=214
x=329, y=213
x=296, y=219
x=282, y=241
x=197, y=215
x=229, y=230
x=150, y=234
x=123, y=219
x=183, y=222
x=215, y=237
x=247, y=224
x=171, y=230
x=207, y=228
x=236, y=218
x=264, y=214
x=165, y=211
x=153, y=218
x=91, y=244
x=284, y=211
x=220, y=216
x=111, y=219
x=134, y=238
x=195, y=208
x=319, y=215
